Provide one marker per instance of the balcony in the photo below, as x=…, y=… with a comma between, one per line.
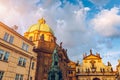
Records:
x=44, y=46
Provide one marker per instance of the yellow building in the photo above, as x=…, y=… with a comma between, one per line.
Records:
x=17, y=60
x=92, y=68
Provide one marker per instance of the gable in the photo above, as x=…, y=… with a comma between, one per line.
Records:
x=92, y=57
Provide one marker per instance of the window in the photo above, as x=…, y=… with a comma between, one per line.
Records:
x=4, y=55
x=22, y=61
x=25, y=47
x=30, y=78
x=1, y=75
x=6, y=36
x=32, y=66
x=11, y=39
x=30, y=38
x=19, y=77
x=1, y=54
x=42, y=37
x=70, y=72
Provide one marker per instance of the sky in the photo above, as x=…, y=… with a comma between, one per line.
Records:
x=80, y=24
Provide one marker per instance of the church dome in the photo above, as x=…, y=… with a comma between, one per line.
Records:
x=40, y=26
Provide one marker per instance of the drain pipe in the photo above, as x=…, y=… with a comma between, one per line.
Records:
x=29, y=68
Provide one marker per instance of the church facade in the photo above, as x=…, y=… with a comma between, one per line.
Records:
x=92, y=68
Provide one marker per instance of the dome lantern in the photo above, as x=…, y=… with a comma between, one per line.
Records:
x=42, y=21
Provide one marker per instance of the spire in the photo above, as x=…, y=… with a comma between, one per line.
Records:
x=42, y=21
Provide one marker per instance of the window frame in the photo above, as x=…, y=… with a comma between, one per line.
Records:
x=11, y=39
x=32, y=65
x=1, y=75
x=19, y=77
x=6, y=36
x=2, y=52
x=25, y=46
x=22, y=61
x=6, y=56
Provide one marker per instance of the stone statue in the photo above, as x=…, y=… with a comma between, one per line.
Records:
x=55, y=72
x=92, y=63
x=90, y=51
x=61, y=44
x=109, y=64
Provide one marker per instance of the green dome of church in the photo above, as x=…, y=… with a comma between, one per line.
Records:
x=40, y=26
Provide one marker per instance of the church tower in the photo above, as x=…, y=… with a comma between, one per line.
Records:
x=43, y=38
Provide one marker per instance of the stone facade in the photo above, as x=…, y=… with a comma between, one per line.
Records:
x=92, y=68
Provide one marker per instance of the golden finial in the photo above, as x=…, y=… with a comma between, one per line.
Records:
x=42, y=21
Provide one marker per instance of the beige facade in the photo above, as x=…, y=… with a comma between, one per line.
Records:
x=17, y=60
x=92, y=68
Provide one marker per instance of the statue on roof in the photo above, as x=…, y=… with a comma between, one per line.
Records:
x=61, y=44
x=109, y=64
x=55, y=73
x=90, y=51
x=97, y=54
x=118, y=63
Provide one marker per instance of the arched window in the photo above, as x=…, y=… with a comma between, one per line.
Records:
x=30, y=38
x=96, y=79
x=42, y=37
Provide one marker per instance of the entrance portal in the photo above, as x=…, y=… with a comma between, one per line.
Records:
x=96, y=79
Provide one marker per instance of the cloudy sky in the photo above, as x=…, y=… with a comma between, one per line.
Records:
x=80, y=24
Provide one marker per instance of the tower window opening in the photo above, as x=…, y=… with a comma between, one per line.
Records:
x=42, y=37
x=30, y=38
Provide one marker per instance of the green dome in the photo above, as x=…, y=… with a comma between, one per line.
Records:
x=40, y=26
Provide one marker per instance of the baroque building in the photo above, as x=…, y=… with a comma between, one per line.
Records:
x=92, y=68
x=29, y=57
x=45, y=42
